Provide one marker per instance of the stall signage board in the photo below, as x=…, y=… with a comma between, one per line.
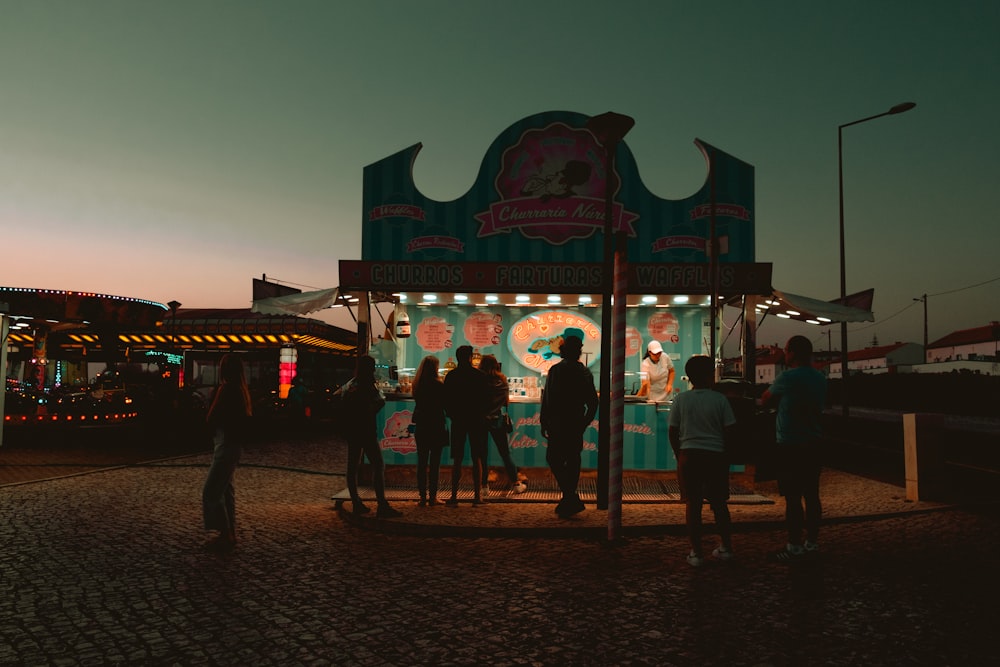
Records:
x=539, y=198
x=567, y=278
x=536, y=339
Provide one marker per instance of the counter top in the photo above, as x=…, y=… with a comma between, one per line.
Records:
x=631, y=400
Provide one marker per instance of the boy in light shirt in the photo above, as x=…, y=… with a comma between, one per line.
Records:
x=700, y=422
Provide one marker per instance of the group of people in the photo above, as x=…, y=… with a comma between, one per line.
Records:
x=475, y=401
x=702, y=421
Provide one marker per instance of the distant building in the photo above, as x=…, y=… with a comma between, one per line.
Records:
x=980, y=343
x=974, y=350
x=895, y=358
x=770, y=363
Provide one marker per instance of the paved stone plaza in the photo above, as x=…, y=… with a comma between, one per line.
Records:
x=107, y=568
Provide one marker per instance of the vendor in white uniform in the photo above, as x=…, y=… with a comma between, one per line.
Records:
x=658, y=374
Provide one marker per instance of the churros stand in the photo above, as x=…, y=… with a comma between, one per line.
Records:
x=518, y=260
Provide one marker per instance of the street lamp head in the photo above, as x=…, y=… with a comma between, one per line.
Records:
x=610, y=127
x=900, y=108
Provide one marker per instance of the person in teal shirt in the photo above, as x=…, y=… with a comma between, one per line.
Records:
x=800, y=395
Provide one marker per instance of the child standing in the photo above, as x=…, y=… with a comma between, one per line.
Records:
x=699, y=421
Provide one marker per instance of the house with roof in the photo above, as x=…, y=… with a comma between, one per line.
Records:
x=895, y=358
x=975, y=350
x=967, y=344
x=770, y=363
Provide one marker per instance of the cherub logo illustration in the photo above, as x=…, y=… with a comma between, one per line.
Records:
x=550, y=347
x=559, y=184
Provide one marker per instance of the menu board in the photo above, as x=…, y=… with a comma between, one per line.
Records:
x=663, y=326
x=633, y=342
x=483, y=329
x=434, y=334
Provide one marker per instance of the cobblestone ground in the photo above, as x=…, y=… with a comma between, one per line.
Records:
x=107, y=568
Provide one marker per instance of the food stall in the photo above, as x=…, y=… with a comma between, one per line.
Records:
x=512, y=265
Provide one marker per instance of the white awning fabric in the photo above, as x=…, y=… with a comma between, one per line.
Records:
x=296, y=304
x=814, y=311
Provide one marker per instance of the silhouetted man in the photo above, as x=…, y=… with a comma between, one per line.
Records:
x=800, y=394
x=569, y=404
x=467, y=400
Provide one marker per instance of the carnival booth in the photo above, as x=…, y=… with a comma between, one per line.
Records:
x=519, y=261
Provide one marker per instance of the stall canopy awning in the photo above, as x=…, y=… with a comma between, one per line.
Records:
x=806, y=309
x=296, y=304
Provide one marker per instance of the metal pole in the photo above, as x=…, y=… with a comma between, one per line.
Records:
x=924, y=299
x=750, y=337
x=713, y=258
x=363, y=320
x=899, y=108
x=925, y=325
x=609, y=128
x=617, y=420
x=4, y=329
x=844, y=402
x=604, y=399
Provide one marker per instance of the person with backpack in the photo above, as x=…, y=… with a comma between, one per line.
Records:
x=498, y=421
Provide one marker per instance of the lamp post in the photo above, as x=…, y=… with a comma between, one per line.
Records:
x=4, y=332
x=899, y=108
x=924, y=299
x=173, y=305
x=609, y=129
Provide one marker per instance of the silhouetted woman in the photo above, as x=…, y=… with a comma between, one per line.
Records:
x=362, y=401
x=431, y=433
x=229, y=417
x=499, y=400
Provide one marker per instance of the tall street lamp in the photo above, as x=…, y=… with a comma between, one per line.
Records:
x=173, y=305
x=899, y=108
x=609, y=129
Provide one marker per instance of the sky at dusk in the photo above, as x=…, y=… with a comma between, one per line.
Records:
x=177, y=150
